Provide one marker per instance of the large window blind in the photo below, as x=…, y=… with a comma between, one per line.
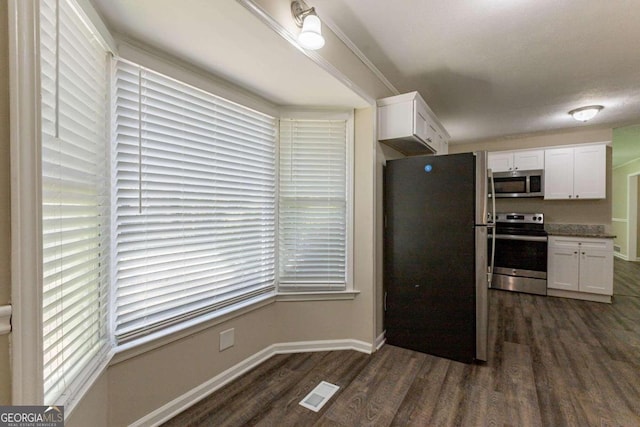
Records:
x=75, y=203
x=313, y=205
x=194, y=202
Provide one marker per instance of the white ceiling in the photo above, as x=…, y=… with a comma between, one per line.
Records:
x=487, y=68
x=223, y=38
x=492, y=68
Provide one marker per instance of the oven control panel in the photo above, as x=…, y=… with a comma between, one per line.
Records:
x=530, y=218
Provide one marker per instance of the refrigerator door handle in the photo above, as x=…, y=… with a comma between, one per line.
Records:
x=492, y=225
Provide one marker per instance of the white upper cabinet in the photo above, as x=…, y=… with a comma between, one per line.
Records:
x=406, y=124
x=528, y=160
x=501, y=161
x=590, y=172
x=443, y=144
x=508, y=161
x=576, y=172
x=558, y=173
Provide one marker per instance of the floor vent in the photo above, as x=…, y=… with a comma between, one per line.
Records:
x=320, y=395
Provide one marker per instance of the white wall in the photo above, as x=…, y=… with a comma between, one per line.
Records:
x=139, y=385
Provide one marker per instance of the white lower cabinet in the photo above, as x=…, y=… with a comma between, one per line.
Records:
x=578, y=267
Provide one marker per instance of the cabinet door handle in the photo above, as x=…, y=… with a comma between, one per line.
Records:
x=577, y=196
x=569, y=195
x=575, y=253
x=582, y=253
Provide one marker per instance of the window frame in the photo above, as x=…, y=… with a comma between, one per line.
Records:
x=188, y=74
x=320, y=294
x=237, y=116
x=26, y=203
x=74, y=36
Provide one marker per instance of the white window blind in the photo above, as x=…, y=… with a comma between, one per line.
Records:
x=313, y=205
x=75, y=202
x=194, y=202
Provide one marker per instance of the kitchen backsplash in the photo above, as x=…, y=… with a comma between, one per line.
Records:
x=561, y=211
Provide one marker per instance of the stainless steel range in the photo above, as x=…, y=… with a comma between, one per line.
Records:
x=520, y=262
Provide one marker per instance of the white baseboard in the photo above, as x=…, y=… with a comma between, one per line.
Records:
x=380, y=340
x=621, y=256
x=193, y=396
x=579, y=295
x=329, y=345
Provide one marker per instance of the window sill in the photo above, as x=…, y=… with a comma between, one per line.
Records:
x=156, y=340
x=166, y=336
x=316, y=296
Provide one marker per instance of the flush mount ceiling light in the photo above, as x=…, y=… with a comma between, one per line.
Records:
x=586, y=113
x=310, y=36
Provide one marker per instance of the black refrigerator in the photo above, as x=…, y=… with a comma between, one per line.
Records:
x=435, y=255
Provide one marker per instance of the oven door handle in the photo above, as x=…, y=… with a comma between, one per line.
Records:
x=521, y=237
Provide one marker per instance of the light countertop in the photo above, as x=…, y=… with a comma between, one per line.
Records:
x=578, y=230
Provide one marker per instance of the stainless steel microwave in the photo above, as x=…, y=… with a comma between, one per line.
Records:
x=526, y=183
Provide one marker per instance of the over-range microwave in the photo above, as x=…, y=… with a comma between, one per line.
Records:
x=525, y=183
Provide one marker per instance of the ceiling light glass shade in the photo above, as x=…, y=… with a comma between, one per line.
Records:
x=586, y=113
x=310, y=36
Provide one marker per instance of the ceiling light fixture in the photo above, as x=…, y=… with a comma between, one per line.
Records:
x=310, y=36
x=583, y=114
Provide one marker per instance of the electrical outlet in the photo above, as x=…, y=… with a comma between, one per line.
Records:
x=227, y=339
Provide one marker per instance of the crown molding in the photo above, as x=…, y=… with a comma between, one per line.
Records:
x=357, y=52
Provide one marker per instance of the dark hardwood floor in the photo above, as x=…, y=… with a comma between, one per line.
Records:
x=554, y=362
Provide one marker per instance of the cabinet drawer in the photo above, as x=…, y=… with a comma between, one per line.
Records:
x=583, y=242
x=563, y=242
x=601, y=244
